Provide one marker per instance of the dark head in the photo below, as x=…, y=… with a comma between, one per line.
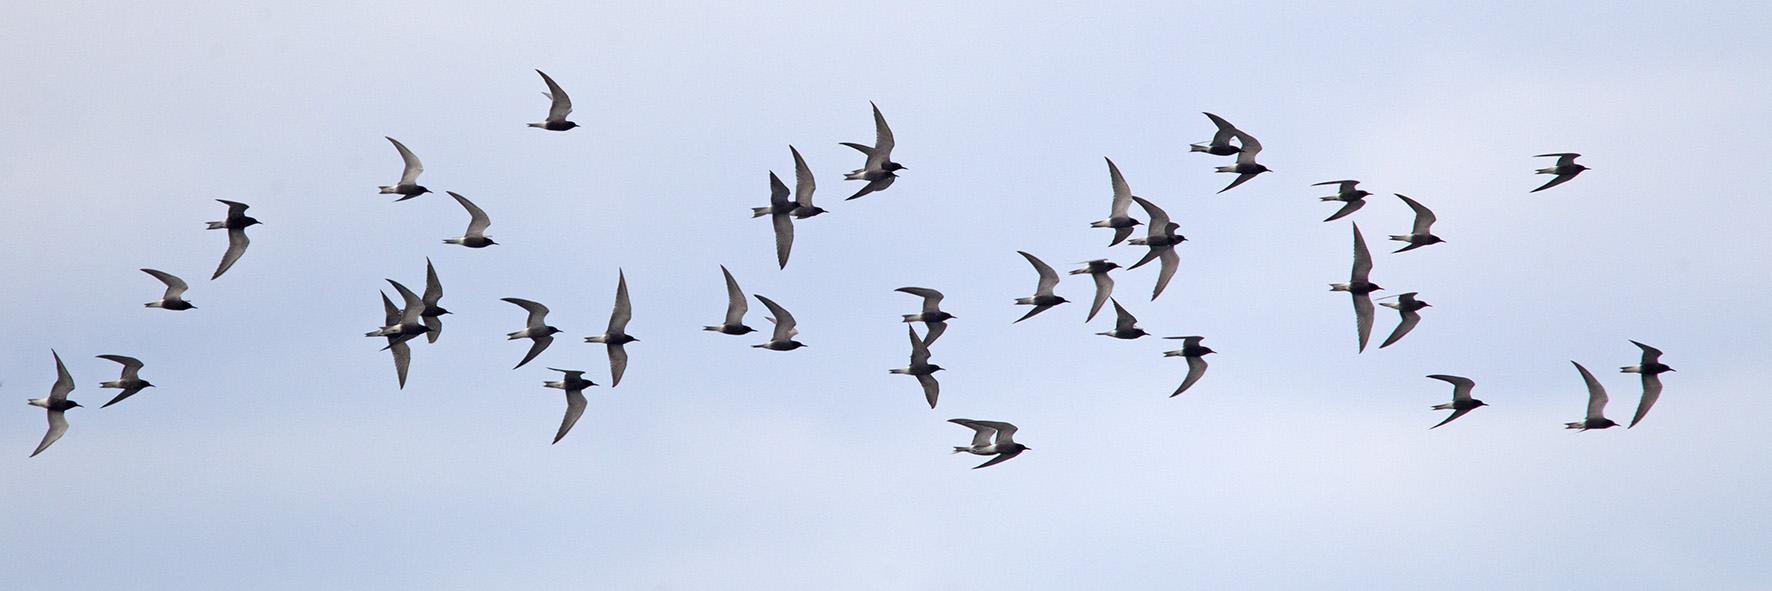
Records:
x=934, y=368
x=1360, y=194
x=806, y=212
x=421, y=191
x=147, y=384
x=565, y=125
x=248, y=221
x=1475, y=402
x=440, y=310
x=893, y=167
x=491, y=242
x=1204, y=351
x=72, y=404
x=552, y=330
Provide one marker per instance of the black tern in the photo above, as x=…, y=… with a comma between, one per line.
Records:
x=1409, y=308
x=1043, y=297
x=1651, y=369
x=735, y=308
x=1246, y=167
x=477, y=224
x=921, y=367
x=574, y=383
x=933, y=319
x=1360, y=286
x=1346, y=193
x=1221, y=140
x=173, y=299
x=804, y=185
x=783, y=337
x=130, y=382
x=1596, y=404
x=1196, y=360
x=433, y=311
x=1421, y=234
x=1005, y=447
x=396, y=344
x=1462, y=403
x=408, y=186
x=1162, y=240
x=560, y=106
x=1117, y=218
x=56, y=403
x=235, y=224
x=410, y=323
x=879, y=170
x=1104, y=285
x=1565, y=169
x=536, y=328
x=617, y=336
x=780, y=212
x=1125, y=324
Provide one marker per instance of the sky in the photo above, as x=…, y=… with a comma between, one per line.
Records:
x=278, y=452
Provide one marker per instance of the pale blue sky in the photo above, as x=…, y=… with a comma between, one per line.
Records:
x=278, y=454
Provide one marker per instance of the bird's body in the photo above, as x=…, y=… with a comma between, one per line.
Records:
x=1246, y=167
x=559, y=107
x=478, y=221
x=921, y=368
x=410, y=323
x=1161, y=240
x=1651, y=368
x=174, y=298
x=1360, y=287
x=1118, y=219
x=1462, y=403
x=1596, y=404
x=129, y=382
x=1125, y=324
x=1104, y=285
x=1043, y=297
x=408, y=186
x=1003, y=447
x=1195, y=353
x=616, y=335
x=782, y=339
x=1422, y=232
x=1565, y=169
x=933, y=318
x=536, y=328
x=736, y=307
x=879, y=170
x=56, y=404
x=1409, y=309
x=1346, y=193
x=574, y=384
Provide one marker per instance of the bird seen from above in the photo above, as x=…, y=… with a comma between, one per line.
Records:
x=1118, y=219
x=1004, y=447
x=1043, y=298
x=559, y=107
x=1565, y=169
x=1651, y=369
x=535, y=329
x=1360, y=286
x=1353, y=198
x=1125, y=324
x=574, y=383
x=57, y=404
x=616, y=335
x=921, y=367
x=235, y=224
x=879, y=170
x=478, y=221
x=736, y=307
x=1462, y=403
x=173, y=299
x=934, y=320
x=1195, y=353
x=1104, y=285
x=408, y=186
x=1421, y=234
x=785, y=328
x=130, y=382
x=1596, y=404
x=1409, y=309
x=1221, y=140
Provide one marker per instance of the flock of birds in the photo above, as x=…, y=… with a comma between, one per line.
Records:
x=417, y=314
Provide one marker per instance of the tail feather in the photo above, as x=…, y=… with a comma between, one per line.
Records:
x=388, y=190
x=217, y=225
x=1580, y=425
x=757, y=212
x=452, y=241
x=1330, y=198
x=1447, y=406
x=961, y=450
x=1197, y=148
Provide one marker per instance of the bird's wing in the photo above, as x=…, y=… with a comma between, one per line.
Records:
x=618, y=363
x=1455, y=414
x=575, y=408
x=1005, y=431
x=935, y=331
x=779, y=197
x=433, y=286
x=58, y=425
x=1424, y=217
x=1170, y=261
x=538, y=314
x=64, y=383
x=1461, y=386
x=784, y=322
x=981, y=434
x=1350, y=207
x=1563, y=158
x=919, y=350
x=1241, y=178
x=1251, y=147
x=570, y=374
x=931, y=298
x=131, y=365
x=121, y=396
x=1561, y=178
x=392, y=311
x=1363, y=318
x=1596, y=393
x=413, y=166
x=413, y=305
x=883, y=141
x=1651, y=393
x=1651, y=355
x=175, y=287
x=872, y=186
x=784, y=237
x=736, y=306
x=562, y=104
x=1196, y=368
x=1032, y=313
x=1406, y=324
x=624, y=310
x=237, y=243
x=1121, y=234
x=1104, y=290
x=1048, y=277
x=477, y=218
x=1225, y=129
x=540, y=344
x=434, y=328
x=402, y=359
x=1362, y=258
x=235, y=208
x=1123, y=320
x=1159, y=222
x=804, y=183
x=1188, y=341
x=1345, y=186
x=931, y=388
x=1002, y=457
x=1122, y=192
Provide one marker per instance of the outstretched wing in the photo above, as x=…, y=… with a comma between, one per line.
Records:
x=1424, y=217
x=409, y=174
x=575, y=408
x=562, y=104
x=1196, y=369
x=477, y=218
x=736, y=306
x=175, y=287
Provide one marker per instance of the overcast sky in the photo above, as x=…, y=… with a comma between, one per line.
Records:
x=277, y=452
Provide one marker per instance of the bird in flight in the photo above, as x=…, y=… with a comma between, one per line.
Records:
x=804, y=185
x=780, y=212
x=617, y=334
x=56, y=403
x=1409, y=308
x=934, y=320
x=174, y=298
x=1043, y=297
x=433, y=311
x=574, y=383
x=1221, y=140
x=478, y=221
x=1420, y=235
x=921, y=367
x=1346, y=193
x=1196, y=360
x=560, y=106
x=396, y=344
x=1596, y=404
x=130, y=382
x=1125, y=324
x=1161, y=240
x=1005, y=447
x=1565, y=169
x=1104, y=285
x=1117, y=217
x=1462, y=403
x=783, y=337
x=735, y=308
x=536, y=329
x=408, y=186
x=1651, y=369
x=1246, y=167
x=235, y=224
x=879, y=170
x=1360, y=287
